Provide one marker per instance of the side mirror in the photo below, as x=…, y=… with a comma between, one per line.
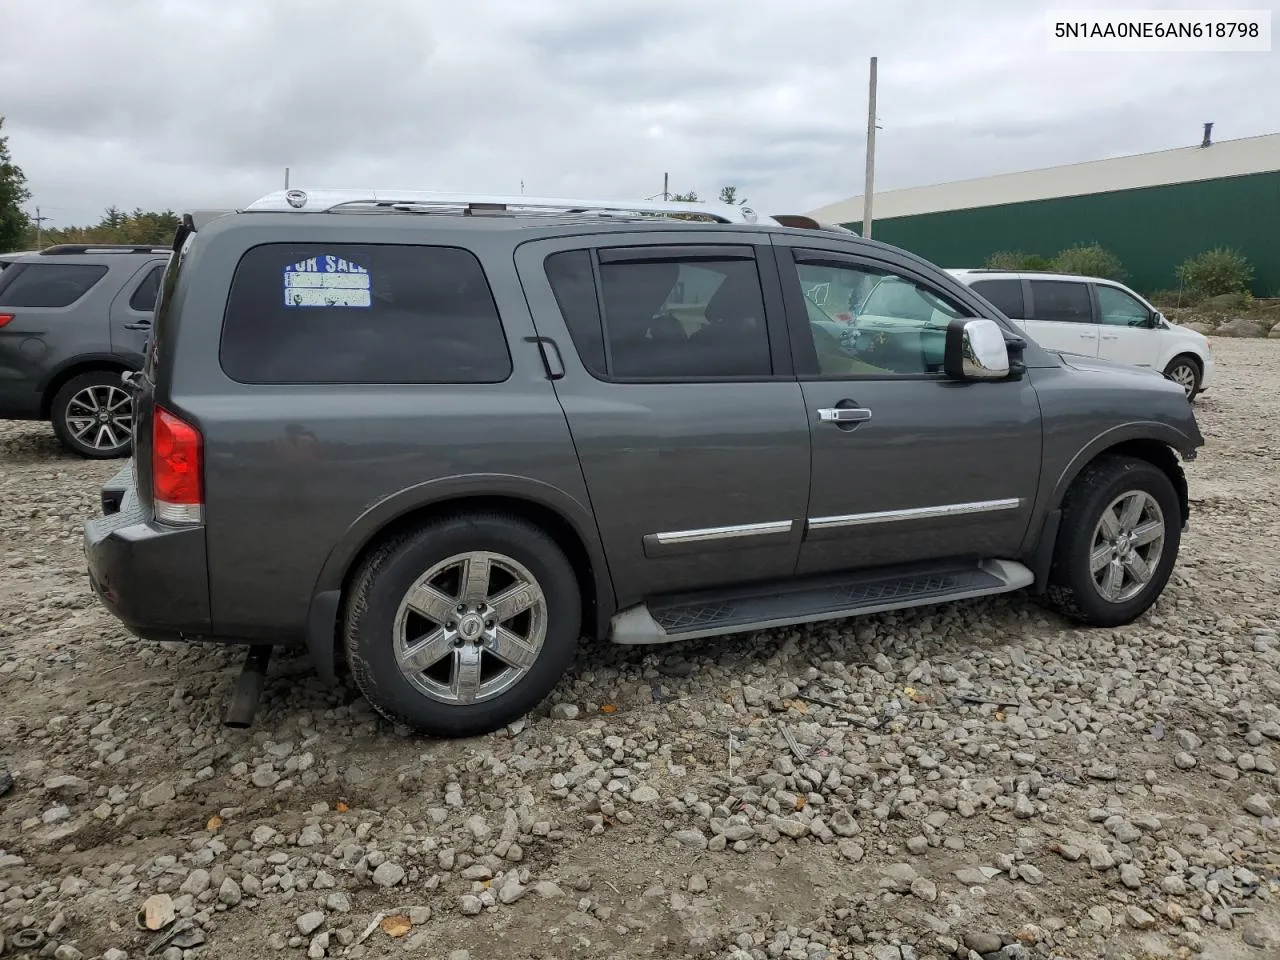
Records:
x=975, y=350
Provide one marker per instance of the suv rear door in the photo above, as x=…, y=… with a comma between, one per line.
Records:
x=924, y=468
x=678, y=389
x=133, y=308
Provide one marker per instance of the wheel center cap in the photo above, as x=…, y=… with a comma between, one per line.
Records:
x=470, y=626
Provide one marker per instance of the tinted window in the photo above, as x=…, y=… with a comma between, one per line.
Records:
x=1116, y=308
x=865, y=322
x=362, y=313
x=678, y=317
x=144, y=297
x=1061, y=301
x=575, y=289
x=48, y=284
x=1005, y=294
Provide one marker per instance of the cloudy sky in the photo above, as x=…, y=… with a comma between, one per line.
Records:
x=200, y=103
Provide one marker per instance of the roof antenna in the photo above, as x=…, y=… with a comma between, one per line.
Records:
x=1206, y=142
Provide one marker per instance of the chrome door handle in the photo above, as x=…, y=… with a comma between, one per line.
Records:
x=844, y=414
x=1110, y=336
x=1089, y=336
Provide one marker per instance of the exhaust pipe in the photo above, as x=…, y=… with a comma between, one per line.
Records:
x=248, y=691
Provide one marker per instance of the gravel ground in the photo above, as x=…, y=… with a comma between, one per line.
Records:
x=979, y=780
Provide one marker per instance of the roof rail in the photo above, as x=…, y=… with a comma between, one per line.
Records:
x=466, y=204
x=808, y=223
x=72, y=248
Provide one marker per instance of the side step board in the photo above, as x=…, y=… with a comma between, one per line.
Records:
x=687, y=617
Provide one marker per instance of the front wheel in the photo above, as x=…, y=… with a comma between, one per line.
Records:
x=92, y=414
x=463, y=625
x=1121, y=529
x=1185, y=372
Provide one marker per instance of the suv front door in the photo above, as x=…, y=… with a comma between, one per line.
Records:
x=677, y=386
x=1125, y=327
x=928, y=468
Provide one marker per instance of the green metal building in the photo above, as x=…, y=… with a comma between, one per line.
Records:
x=1152, y=210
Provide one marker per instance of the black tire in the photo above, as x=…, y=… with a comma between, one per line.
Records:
x=385, y=578
x=1185, y=369
x=1072, y=590
x=69, y=420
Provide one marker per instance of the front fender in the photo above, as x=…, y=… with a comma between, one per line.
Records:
x=1137, y=431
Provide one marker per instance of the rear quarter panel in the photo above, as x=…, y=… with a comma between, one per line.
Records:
x=299, y=477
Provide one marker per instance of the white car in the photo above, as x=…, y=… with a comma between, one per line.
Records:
x=1096, y=318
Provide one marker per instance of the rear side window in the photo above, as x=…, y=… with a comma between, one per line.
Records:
x=1061, y=301
x=144, y=297
x=1005, y=294
x=362, y=313
x=664, y=313
x=48, y=284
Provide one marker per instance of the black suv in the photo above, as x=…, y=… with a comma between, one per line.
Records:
x=73, y=319
x=443, y=438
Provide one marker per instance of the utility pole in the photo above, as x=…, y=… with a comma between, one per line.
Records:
x=39, y=229
x=286, y=178
x=868, y=187
x=665, y=182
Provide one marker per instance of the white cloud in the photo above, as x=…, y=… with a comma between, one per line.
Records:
x=181, y=104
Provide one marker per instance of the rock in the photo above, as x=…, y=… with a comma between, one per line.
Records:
x=898, y=877
x=311, y=836
x=644, y=794
x=917, y=845
x=1130, y=876
x=229, y=893
x=691, y=838
x=318, y=947
x=115, y=954
x=160, y=794
x=1239, y=327
x=338, y=902
x=925, y=889
x=512, y=891
x=1139, y=919
x=971, y=876
x=982, y=943
x=1030, y=873
x=67, y=952
x=1102, y=771
x=548, y=890
x=795, y=829
x=469, y=905
x=1258, y=805
x=564, y=711
x=388, y=874
x=6, y=781
x=843, y=824
x=1255, y=936
x=309, y=923
x=66, y=786
x=197, y=882
x=1183, y=760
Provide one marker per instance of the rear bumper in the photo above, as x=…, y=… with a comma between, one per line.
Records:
x=152, y=577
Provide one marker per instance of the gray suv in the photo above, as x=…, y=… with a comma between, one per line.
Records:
x=442, y=439
x=73, y=319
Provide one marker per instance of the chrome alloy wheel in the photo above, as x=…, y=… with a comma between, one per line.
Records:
x=470, y=628
x=1126, y=547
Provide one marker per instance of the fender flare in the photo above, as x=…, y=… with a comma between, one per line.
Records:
x=1137, y=430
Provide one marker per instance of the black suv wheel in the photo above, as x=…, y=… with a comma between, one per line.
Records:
x=92, y=415
x=463, y=625
x=1121, y=528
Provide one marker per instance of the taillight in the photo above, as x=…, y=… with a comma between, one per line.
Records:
x=177, y=454
x=5, y=318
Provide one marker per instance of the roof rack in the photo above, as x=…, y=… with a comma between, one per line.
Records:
x=59, y=249
x=465, y=204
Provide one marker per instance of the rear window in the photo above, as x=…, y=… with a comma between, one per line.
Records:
x=1005, y=294
x=48, y=284
x=362, y=313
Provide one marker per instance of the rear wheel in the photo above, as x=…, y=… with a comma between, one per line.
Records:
x=1121, y=528
x=1185, y=372
x=463, y=625
x=92, y=414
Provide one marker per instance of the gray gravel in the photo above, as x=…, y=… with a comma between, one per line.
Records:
x=979, y=780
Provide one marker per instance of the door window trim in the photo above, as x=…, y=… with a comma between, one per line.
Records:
x=634, y=249
x=802, y=346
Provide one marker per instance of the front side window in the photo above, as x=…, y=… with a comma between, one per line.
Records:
x=1060, y=301
x=678, y=317
x=1117, y=309
x=864, y=321
x=48, y=284
x=362, y=313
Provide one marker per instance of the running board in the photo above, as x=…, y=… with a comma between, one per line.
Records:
x=687, y=617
